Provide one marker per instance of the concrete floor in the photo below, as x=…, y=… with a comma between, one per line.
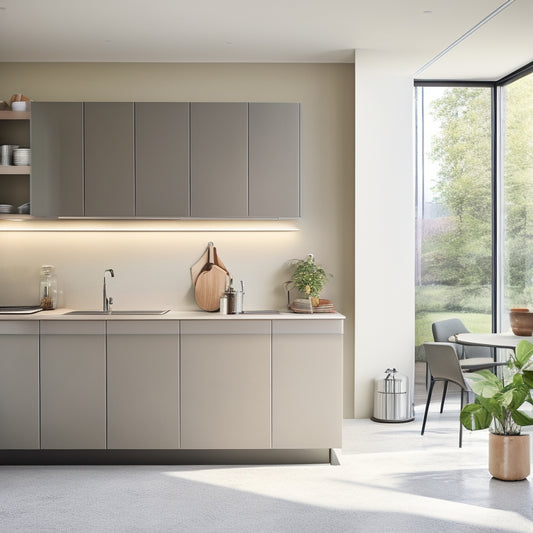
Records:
x=390, y=478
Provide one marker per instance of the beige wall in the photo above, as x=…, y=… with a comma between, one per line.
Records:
x=152, y=268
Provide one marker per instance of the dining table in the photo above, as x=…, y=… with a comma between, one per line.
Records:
x=491, y=340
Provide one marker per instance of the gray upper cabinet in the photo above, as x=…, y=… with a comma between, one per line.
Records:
x=219, y=160
x=161, y=159
x=57, y=159
x=166, y=160
x=109, y=159
x=274, y=153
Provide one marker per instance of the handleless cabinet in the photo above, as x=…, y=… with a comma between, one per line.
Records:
x=19, y=385
x=142, y=385
x=225, y=384
x=109, y=159
x=274, y=151
x=161, y=159
x=57, y=159
x=219, y=160
x=73, y=385
x=307, y=384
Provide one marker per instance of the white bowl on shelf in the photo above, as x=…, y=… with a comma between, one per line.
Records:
x=20, y=106
x=22, y=156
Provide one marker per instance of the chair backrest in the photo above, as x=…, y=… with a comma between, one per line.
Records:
x=443, y=363
x=444, y=329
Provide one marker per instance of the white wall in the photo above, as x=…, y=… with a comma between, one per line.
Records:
x=152, y=269
x=384, y=222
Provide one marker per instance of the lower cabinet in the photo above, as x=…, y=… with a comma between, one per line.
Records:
x=73, y=391
x=307, y=383
x=19, y=385
x=142, y=385
x=225, y=384
x=169, y=384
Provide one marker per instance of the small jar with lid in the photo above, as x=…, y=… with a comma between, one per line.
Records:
x=48, y=287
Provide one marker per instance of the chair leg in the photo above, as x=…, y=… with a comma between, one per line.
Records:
x=461, y=425
x=427, y=405
x=444, y=390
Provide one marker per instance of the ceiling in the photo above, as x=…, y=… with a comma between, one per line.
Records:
x=275, y=31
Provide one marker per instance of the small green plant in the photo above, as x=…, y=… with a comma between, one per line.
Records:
x=497, y=406
x=308, y=277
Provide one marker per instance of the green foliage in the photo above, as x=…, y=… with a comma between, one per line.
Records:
x=497, y=404
x=308, y=277
x=458, y=250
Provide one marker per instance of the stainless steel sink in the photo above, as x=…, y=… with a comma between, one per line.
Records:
x=118, y=312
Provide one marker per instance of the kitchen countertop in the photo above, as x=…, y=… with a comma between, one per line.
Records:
x=61, y=314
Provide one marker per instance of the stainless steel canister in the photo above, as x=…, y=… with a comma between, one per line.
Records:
x=392, y=398
x=6, y=154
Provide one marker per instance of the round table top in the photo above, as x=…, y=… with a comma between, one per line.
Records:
x=494, y=340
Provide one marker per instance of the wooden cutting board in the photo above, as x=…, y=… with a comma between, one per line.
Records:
x=200, y=264
x=210, y=284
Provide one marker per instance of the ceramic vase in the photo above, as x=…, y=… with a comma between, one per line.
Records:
x=509, y=456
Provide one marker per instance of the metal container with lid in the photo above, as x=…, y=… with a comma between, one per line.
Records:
x=392, y=398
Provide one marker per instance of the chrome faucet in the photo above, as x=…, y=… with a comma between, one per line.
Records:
x=108, y=301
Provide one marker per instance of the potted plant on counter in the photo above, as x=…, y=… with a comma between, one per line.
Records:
x=309, y=278
x=498, y=406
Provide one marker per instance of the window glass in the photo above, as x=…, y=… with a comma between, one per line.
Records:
x=517, y=197
x=454, y=208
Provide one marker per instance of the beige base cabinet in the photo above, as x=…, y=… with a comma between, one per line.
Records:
x=225, y=384
x=307, y=383
x=142, y=384
x=19, y=385
x=73, y=391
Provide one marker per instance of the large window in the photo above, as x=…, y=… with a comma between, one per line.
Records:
x=454, y=208
x=474, y=202
x=517, y=196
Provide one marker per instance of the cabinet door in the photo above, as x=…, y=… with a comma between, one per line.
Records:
x=19, y=385
x=219, y=160
x=142, y=384
x=57, y=159
x=307, y=383
x=161, y=159
x=274, y=160
x=225, y=384
x=109, y=159
x=73, y=385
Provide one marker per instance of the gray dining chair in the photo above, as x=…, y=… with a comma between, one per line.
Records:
x=471, y=358
x=444, y=366
x=444, y=329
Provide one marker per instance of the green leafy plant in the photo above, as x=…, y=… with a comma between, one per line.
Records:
x=497, y=405
x=308, y=277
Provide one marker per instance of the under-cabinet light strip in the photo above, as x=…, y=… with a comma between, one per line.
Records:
x=25, y=227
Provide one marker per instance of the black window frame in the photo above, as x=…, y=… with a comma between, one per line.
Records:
x=496, y=158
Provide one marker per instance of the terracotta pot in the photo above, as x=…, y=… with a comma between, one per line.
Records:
x=509, y=456
x=521, y=322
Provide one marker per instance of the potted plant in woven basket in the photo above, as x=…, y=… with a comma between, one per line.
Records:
x=309, y=278
x=498, y=406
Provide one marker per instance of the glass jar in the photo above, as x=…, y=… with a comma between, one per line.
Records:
x=48, y=287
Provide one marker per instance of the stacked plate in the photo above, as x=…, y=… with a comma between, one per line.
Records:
x=22, y=156
x=324, y=306
x=6, y=209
